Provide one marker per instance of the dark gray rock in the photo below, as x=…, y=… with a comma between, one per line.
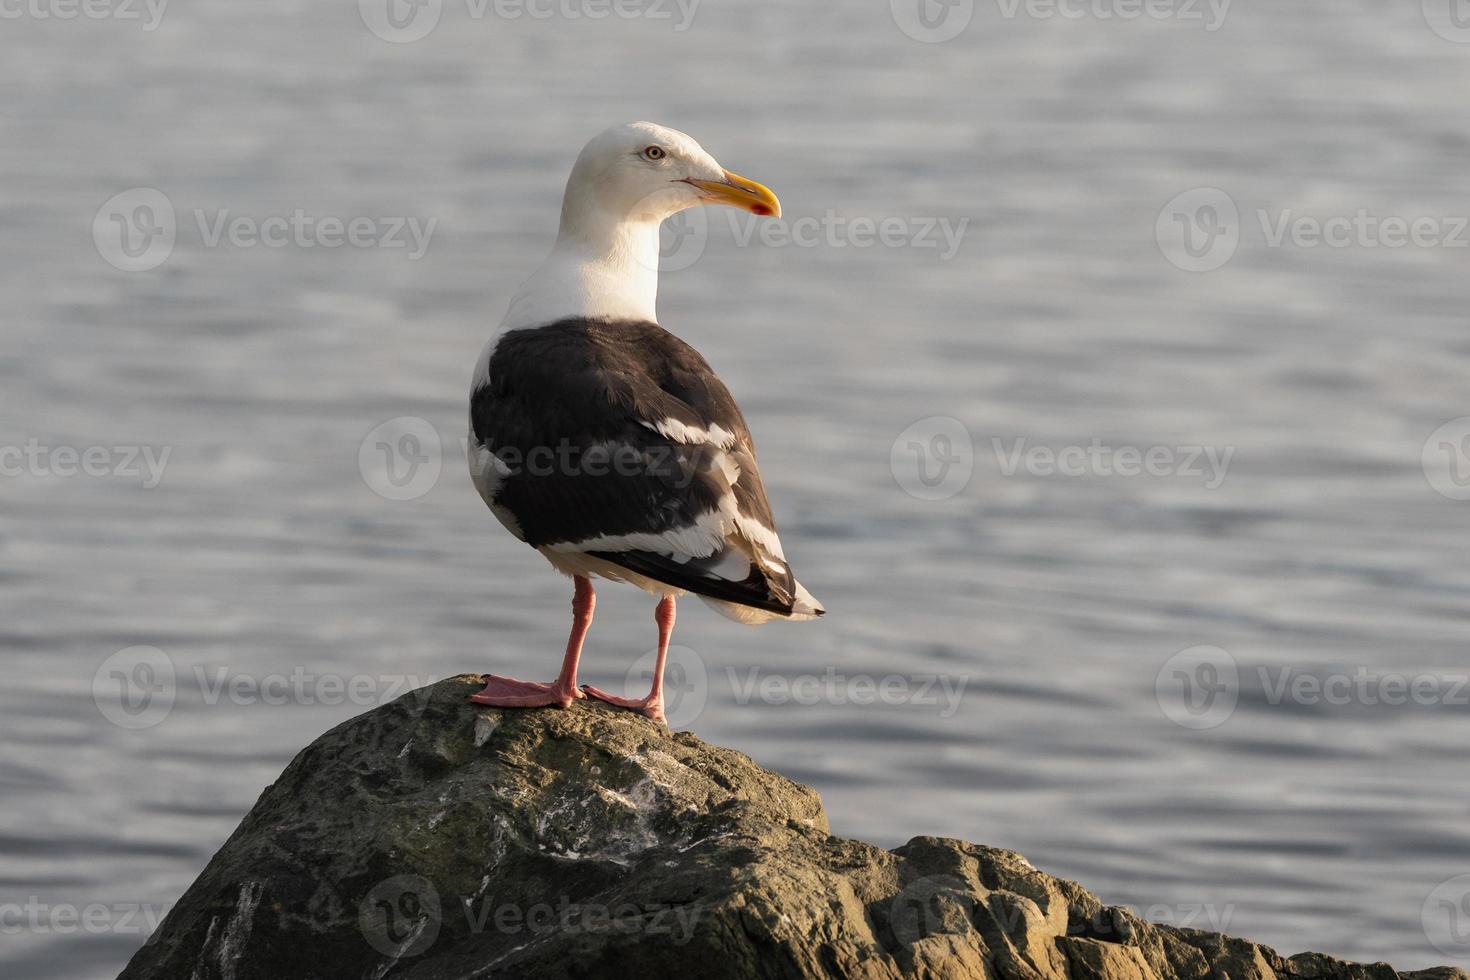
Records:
x=432, y=839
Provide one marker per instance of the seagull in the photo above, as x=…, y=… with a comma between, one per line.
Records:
x=608, y=444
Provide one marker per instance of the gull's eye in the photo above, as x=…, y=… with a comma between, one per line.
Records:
x=654, y=153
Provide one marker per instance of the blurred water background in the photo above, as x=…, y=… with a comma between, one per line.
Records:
x=1056, y=601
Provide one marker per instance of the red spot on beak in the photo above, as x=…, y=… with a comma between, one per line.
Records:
x=761, y=210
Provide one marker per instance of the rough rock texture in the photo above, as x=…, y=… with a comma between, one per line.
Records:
x=431, y=839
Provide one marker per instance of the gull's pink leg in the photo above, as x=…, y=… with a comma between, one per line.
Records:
x=507, y=692
x=653, y=705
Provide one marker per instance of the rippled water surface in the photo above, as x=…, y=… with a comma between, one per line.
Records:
x=1048, y=603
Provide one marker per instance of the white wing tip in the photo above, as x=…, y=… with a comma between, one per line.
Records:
x=806, y=605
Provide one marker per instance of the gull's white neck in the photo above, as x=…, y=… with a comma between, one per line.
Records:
x=604, y=264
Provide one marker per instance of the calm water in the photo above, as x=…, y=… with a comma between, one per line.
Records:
x=1055, y=600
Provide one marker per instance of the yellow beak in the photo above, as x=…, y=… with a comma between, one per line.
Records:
x=740, y=192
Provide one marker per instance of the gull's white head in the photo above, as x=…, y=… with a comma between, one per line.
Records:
x=625, y=182
x=643, y=173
